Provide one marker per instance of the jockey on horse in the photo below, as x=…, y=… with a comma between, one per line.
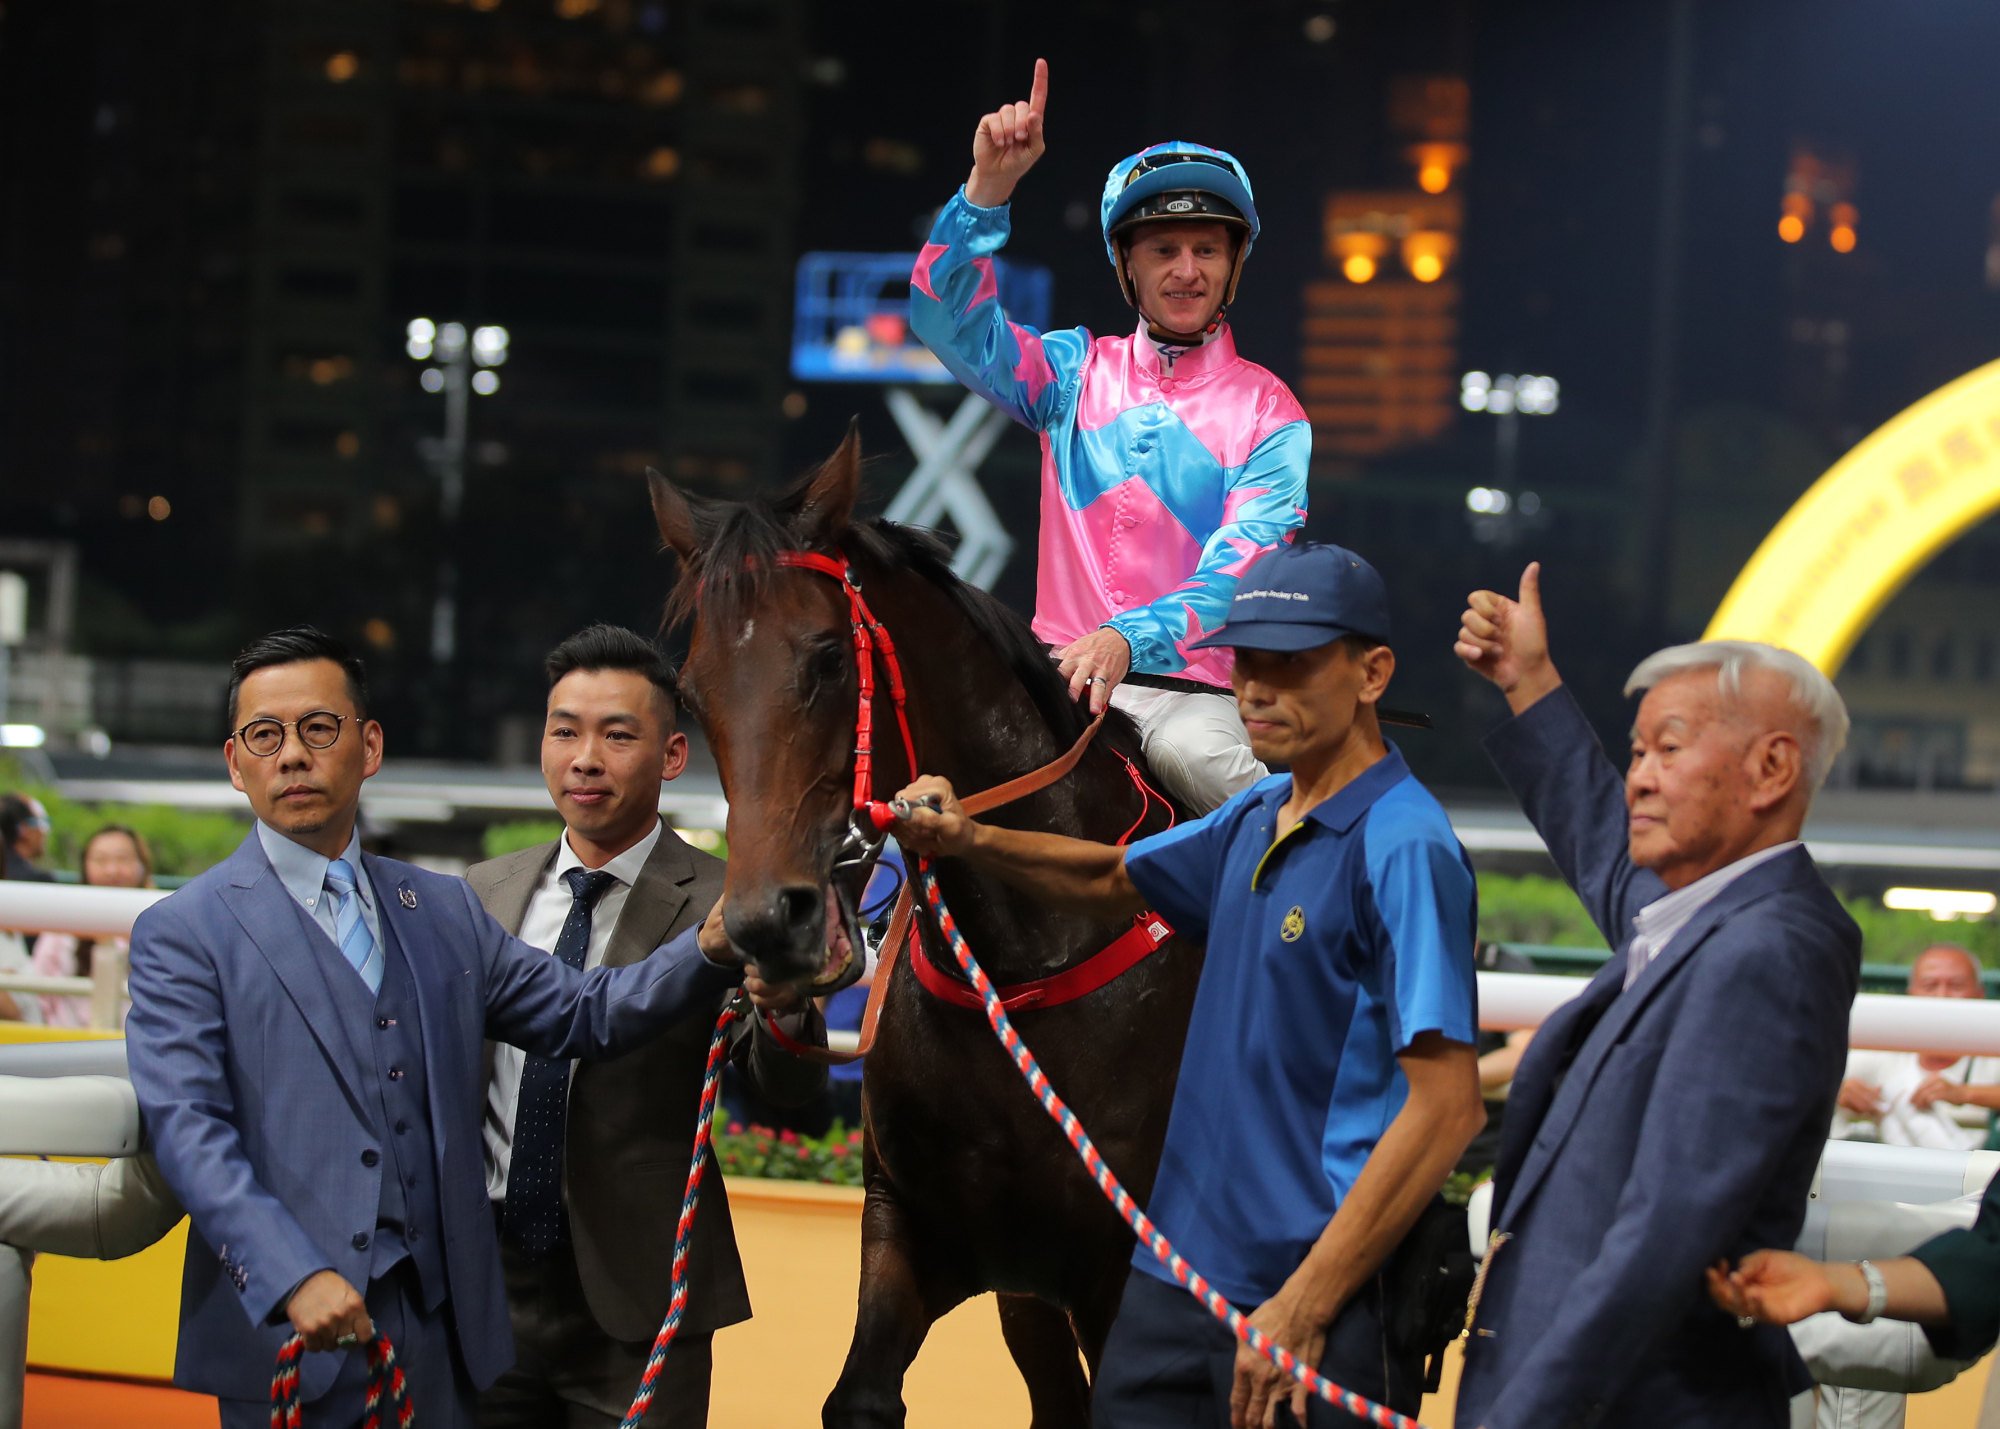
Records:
x=1168, y=462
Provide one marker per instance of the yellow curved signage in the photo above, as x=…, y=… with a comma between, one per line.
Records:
x=1877, y=516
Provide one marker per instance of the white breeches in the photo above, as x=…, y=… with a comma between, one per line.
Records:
x=1195, y=743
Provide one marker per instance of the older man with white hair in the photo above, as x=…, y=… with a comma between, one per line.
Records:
x=1673, y=1113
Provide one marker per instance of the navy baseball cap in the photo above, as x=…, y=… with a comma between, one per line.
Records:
x=1301, y=596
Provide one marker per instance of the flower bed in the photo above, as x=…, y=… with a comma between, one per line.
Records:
x=751, y=1150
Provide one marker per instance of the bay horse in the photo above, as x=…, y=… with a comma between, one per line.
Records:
x=969, y=1187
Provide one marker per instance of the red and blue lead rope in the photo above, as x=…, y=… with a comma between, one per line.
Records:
x=1017, y=1051
x=1142, y=1226
x=385, y=1380
x=711, y=1081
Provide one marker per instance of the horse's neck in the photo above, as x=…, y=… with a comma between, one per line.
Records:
x=987, y=737
x=1017, y=935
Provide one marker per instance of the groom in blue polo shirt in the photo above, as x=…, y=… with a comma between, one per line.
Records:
x=1330, y=1080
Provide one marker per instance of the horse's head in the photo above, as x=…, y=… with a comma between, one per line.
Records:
x=771, y=674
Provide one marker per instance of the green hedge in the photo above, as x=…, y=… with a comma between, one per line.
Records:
x=499, y=840
x=184, y=841
x=1533, y=910
x=1890, y=935
x=1544, y=911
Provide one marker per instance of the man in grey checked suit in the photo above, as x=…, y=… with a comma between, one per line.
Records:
x=586, y=1303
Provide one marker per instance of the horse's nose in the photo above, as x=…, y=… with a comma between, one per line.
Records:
x=783, y=933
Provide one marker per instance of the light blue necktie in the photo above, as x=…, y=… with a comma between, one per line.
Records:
x=350, y=929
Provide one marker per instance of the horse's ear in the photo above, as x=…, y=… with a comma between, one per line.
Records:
x=829, y=503
x=674, y=515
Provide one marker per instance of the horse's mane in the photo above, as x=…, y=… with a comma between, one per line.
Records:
x=739, y=543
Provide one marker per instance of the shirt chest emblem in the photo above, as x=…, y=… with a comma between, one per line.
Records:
x=1294, y=926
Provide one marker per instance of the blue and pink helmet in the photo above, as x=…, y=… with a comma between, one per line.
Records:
x=1178, y=182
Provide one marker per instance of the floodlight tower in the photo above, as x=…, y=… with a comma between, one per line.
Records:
x=462, y=366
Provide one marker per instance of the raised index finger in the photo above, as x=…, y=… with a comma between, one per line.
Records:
x=1038, y=96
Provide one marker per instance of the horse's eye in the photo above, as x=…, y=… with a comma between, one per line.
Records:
x=825, y=665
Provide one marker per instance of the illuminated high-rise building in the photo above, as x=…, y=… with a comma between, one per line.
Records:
x=1378, y=361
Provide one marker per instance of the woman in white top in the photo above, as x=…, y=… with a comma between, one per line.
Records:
x=114, y=857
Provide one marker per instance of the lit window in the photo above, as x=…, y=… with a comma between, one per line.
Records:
x=342, y=65
x=663, y=163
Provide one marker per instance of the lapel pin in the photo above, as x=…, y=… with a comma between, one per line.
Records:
x=408, y=898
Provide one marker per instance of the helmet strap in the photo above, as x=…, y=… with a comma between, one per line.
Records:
x=1167, y=338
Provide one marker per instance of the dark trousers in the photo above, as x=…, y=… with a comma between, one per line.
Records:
x=426, y=1347
x=1169, y=1363
x=569, y=1374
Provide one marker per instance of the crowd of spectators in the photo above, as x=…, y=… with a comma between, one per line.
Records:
x=113, y=856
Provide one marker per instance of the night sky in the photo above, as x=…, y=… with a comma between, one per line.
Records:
x=1569, y=236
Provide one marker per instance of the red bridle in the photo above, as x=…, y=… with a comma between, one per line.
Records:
x=870, y=638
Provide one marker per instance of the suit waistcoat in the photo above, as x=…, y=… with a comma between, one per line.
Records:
x=384, y=1030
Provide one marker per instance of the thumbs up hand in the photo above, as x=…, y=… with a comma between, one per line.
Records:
x=1506, y=640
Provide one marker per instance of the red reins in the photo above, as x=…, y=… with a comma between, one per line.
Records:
x=1148, y=933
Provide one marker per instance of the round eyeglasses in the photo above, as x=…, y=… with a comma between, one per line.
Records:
x=317, y=729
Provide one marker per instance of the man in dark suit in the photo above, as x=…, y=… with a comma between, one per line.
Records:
x=587, y=1300
x=1673, y=1113
x=307, y=1044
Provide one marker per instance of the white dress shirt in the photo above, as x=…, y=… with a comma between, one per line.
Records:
x=547, y=911
x=1654, y=926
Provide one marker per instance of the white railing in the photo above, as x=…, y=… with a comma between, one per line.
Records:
x=73, y=908
x=1885, y=1021
x=1889, y=1022
x=102, y=913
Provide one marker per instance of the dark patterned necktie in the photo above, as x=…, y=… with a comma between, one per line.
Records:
x=535, y=1222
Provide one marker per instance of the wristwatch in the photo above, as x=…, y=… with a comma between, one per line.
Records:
x=1878, y=1292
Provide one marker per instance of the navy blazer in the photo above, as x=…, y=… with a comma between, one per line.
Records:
x=1654, y=1130
x=253, y=1096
